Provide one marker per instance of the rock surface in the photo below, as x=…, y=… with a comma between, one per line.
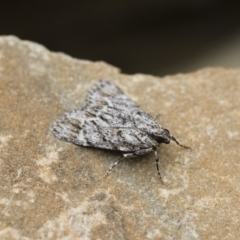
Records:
x=51, y=189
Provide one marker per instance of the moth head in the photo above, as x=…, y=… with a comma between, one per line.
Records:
x=163, y=136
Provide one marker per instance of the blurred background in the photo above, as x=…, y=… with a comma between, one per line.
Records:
x=158, y=37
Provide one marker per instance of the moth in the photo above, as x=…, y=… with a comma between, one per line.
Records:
x=110, y=120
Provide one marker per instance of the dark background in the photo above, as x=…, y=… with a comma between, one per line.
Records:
x=148, y=36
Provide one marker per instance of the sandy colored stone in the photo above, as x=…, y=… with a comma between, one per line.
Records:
x=51, y=189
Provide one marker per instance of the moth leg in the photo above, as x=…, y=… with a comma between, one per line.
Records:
x=114, y=165
x=142, y=152
x=138, y=153
x=157, y=165
x=129, y=155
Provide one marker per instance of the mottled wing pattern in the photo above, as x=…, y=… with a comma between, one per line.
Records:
x=105, y=121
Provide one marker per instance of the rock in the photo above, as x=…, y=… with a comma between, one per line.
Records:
x=52, y=189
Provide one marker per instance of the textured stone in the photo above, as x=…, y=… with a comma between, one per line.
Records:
x=51, y=189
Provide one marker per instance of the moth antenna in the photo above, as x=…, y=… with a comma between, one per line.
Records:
x=175, y=140
x=114, y=165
